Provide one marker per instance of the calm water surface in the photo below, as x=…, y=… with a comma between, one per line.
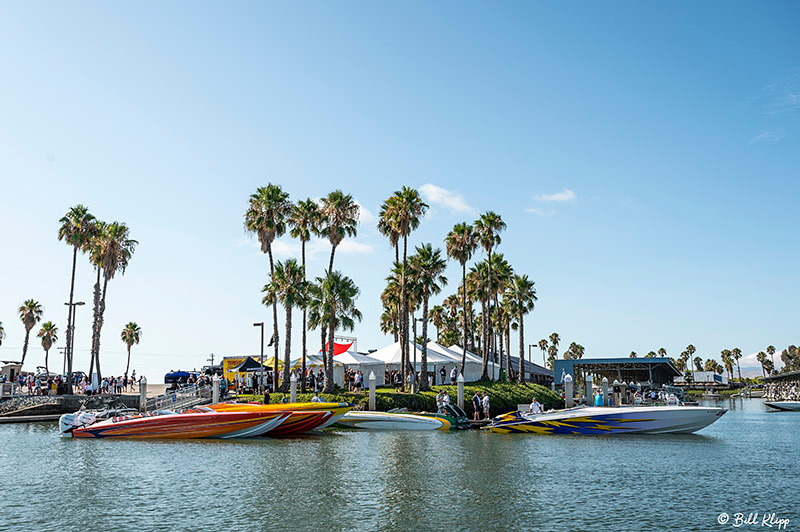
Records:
x=472, y=480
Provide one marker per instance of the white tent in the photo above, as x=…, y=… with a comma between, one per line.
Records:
x=474, y=365
x=363, y=363
x=437, y=359
x=314, y=361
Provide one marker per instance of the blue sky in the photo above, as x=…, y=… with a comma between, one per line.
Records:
x=645, y=157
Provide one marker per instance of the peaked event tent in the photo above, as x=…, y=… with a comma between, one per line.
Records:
x=437, y=359
x=474, y=365
x=363, y=363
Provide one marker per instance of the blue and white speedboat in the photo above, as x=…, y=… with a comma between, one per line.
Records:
x=596, y=420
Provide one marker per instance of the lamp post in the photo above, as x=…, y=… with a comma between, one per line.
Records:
x=261, y=361
x=71, y=344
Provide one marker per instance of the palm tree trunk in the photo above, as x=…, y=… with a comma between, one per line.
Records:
x=739, y=369
x=95, y=313
x=485, y=342
x=287, y=351
x=330, y=264
x=489, y=329
x=404, y=318
x=423, y=361
x=275, y=341
x=68, y=352
x=25, y=345
x=466, y=316
x=509, y=369
x=522, y=349
x=329, y=367
x=100, y=314
x=303, y=376
x=128, y=364
x=46, y=365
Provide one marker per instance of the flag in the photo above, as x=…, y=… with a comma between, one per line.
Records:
x=271, y=340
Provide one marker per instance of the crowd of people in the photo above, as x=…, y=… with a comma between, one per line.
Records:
x=57, y=385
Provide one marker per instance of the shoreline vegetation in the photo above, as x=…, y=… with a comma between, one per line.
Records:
x=503, y=396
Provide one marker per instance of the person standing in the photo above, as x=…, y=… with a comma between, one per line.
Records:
x=453, y=376
x=536, y=408
x=446, y=400
x=476, y=406
x=443, y=373
x=485, y=404
x=439, y=401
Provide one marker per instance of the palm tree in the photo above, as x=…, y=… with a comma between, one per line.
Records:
x=2, y=333
x=662, y=352
x=266, y=217
x=332, y=304
x=110, y=250
x=428, y=265
x=77, y=228
x=651, y=354
x=488, y=228
x=698, y=363
x=404, y=213
x=339, y=218
x=727, y=360
x=461, y=243
x=438, y=315
x=552, y=354
x=478, y=280
x=49, y=335
x=771, y=353
x=289, y=288
x=736, y=354
x=305, y=221
x=633, y=354
x=131, y=334
x=30, y=313
x=543, y=344
x=762, y=358
x=554, y=340
x=520, y=296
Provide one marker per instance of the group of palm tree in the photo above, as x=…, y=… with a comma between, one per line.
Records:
x=110, y=249
x=504, y=296
x=328, y=302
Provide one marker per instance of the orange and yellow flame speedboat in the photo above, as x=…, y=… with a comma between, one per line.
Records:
x=301, y=417
x=200, y=422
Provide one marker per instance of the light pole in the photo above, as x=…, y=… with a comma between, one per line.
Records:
x=71, y=344
x=261, y=361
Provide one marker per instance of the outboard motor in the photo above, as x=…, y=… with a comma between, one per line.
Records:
x=68, y=422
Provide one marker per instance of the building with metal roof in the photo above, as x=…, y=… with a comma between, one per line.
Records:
x=656, y=370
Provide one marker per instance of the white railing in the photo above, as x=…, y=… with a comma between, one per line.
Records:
x=184, y=397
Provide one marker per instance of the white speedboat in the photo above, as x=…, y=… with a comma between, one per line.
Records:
x=391, y=421
x=792, y=406
x=610, y=420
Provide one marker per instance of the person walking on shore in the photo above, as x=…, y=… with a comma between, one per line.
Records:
x=477, y=406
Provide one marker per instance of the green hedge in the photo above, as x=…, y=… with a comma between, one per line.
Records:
x=503, y=397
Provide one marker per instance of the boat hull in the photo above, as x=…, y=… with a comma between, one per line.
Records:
x=391, y=421
x=786, y=406
x=301, y=417
x=184, y=425
x=611, y=420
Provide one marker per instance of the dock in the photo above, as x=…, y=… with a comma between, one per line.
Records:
x=29, y=419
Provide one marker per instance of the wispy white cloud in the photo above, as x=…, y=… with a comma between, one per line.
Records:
x=565, y=196
x=768, y=135
x=446, y=199
x=538, y=211
x=365, y=215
